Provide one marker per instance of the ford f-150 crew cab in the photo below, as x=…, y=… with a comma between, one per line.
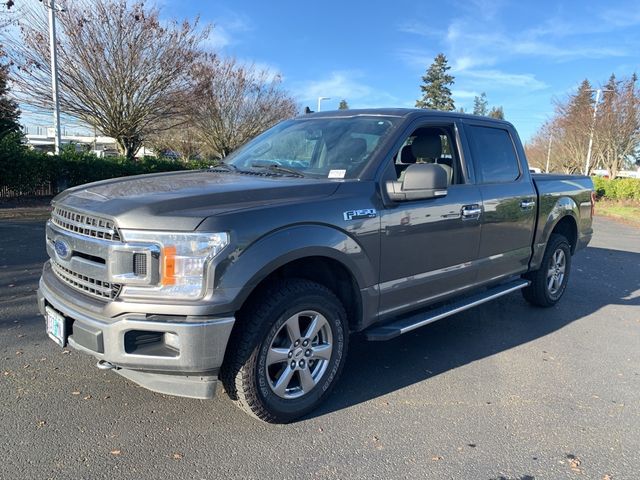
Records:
x=255, y=271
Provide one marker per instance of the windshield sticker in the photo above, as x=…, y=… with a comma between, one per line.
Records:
x=337, y=173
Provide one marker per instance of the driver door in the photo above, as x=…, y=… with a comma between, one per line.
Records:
x=429, y=248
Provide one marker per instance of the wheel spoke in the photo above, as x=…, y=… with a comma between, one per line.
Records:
x=293, y=328
x=277, y=355
x=306, y=380
x=281, y=385
x=551, y=282
x=550, y=273
x=310, y=339
x=560, y=260
x=314, y=327
x=322, y=352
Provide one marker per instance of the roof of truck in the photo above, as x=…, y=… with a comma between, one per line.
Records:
x=399, y=112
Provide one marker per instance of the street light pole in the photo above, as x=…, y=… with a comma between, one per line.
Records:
x=599, y=92
x=320, y=100
x=593, y=126
x=549, y=151
x=54, y=74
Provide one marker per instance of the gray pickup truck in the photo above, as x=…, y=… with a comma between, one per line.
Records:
x=255, y=271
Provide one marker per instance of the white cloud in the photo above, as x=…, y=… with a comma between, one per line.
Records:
x=464, y=94
x=462, y=64
x=420, y=28
x=218, y=38
x=340, y=85
x=470, y=43
x=627, y=16
x=493, y=78
x=271, y=71
x=415, y=58
x=226, y=31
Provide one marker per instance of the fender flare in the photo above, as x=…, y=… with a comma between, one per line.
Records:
x=246, y=269
x=563, y=207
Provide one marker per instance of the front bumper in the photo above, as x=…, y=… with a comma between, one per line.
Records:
x=168, y=353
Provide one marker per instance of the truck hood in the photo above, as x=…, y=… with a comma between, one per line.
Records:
x=179, y=201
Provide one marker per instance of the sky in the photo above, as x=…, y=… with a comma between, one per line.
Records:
x=522, y=54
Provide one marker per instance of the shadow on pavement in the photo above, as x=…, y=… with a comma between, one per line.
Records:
x=600, y=277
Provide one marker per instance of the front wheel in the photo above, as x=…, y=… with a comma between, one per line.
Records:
x=288, y=351
x=549, y=282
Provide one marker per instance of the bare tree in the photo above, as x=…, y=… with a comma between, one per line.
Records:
x=616, y=129
x=182, y=141
x=9, y=13
x=121, y=69
x=9, y=111
x=617, y=136
x=571, y=126
x=235, y=103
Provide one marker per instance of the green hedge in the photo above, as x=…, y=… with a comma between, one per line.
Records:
x=24, y=170
x=617, y=189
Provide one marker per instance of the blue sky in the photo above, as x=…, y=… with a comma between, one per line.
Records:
x=522, y=54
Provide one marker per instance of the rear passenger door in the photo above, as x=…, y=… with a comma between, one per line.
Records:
x=508, y=199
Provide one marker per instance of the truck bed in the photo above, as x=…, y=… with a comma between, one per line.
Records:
x=559, y=194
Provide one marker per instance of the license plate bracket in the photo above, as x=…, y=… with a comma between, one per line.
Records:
x=56, y=326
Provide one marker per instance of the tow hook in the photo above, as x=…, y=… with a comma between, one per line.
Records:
x=104, y=365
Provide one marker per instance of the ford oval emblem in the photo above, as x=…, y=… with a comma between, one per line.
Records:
x=62, y=248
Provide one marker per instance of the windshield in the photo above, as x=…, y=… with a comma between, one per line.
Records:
x=317, y=147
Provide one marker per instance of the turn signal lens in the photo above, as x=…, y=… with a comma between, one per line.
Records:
x=168, y=265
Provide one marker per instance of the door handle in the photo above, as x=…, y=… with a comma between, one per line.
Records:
x=527, y=204
x=471, y=212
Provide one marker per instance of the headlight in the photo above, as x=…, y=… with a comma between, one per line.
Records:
x=183, y=261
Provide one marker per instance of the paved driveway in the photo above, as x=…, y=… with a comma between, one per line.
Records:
x=505, y=391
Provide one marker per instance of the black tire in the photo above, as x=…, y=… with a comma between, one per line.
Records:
x=248, y=378
x=539, y=293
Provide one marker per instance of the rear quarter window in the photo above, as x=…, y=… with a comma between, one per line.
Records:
x=493, y=154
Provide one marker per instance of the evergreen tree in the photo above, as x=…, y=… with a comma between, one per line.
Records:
x=343, y=105
x=9, y=113
x=582, y=102
x=481, y=105
x=497, y=112
x=436, y=93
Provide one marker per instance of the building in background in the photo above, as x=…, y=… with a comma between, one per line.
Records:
x=42, y=138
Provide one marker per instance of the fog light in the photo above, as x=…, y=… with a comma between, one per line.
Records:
x=172, y=340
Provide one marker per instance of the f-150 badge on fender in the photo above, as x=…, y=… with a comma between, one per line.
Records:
x=358, y=214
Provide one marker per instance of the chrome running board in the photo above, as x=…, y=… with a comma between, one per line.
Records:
x=417, y=320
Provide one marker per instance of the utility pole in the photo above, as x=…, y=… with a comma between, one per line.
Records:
x=320, y=99
x=54, y=73
x=549, y=151
x=593, y=126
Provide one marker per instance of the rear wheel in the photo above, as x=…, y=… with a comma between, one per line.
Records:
x=549, y=282
x=288, y=351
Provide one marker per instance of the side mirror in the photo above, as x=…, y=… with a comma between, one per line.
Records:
x=421, y=181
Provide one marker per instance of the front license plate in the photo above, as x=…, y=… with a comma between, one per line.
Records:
x=56, y=326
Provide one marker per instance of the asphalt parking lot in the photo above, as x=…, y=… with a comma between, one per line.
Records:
x=505, y=391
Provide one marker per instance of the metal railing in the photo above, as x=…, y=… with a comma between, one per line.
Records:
x=44, y=190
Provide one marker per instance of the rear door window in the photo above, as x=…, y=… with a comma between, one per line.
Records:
x=493, y=154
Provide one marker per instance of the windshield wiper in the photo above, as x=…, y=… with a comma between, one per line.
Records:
x=227, y=166
x=273, y=167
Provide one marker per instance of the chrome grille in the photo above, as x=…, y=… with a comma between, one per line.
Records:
x=83, y=224
x=83, y=283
